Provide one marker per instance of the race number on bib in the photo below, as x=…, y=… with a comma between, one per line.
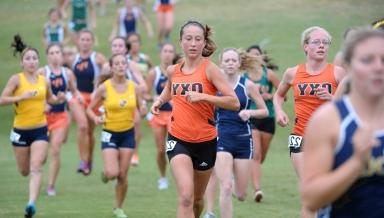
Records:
x=106, y=136
x=14, y=137
x=294, y=141
x=170, y=145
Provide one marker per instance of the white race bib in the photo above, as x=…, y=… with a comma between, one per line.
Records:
x=294, y=141
x=14, y=137
x=170, y=145
x=106, y=136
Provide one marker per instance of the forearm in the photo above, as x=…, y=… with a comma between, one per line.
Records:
x=6, y=100
x=258, y=113
x=164, y=97
x=225, y=102
x=278, y=101
x=90, y=113
x=317, y=192
x=53, y=100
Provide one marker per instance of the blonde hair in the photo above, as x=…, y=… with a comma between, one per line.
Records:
x=247, y=61
x=358, y=36
x=305, y=34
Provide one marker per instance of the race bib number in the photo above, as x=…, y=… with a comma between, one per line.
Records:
x=106, y=136
x=14, y=137
x=294, y=141
x=170, y=145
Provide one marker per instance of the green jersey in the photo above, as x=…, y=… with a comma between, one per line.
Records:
x=79, y=15
x=266, y=86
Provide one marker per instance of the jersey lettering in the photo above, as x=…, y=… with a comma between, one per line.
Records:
x=182, y=88
x=310, y=88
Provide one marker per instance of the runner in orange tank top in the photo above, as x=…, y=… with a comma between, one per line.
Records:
x=313, y=83
x=193, y=86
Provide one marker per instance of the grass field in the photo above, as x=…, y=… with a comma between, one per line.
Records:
x=237, y=23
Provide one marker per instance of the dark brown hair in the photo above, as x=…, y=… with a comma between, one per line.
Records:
x=20, y=47
x=267, y=60
x=210, y=45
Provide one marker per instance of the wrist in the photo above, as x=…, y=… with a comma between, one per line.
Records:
x=358, y=162
x=161, y=101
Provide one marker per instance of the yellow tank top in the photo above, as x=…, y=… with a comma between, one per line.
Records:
x=30, y=112
x=119, y=107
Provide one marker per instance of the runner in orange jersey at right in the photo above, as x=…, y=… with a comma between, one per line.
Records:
x=313, y=83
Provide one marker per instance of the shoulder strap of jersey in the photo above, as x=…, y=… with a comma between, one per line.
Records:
x=47, y=71
x=95, y=66
x=157, y=76
x=342, y=108
x=64, y=72
x=77, y=58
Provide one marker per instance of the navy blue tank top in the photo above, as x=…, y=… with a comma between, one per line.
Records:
x=158, y=86
x=86, y=71
x=130, y=23
x=228, y=121
x=365, y=198
x=59, y=83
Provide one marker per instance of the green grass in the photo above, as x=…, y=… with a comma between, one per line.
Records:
x=237, y=23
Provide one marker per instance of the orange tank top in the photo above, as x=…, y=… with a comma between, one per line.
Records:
x=192, y=122
x=304, y=89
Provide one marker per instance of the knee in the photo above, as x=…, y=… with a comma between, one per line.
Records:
x=226, y=189
x=83, y=128
x=24, y=172
x=241, y=196
x=37, y=164
x=198, y=202
x=55, y=152
x=111, y=174
x=122, y=177
x=186, y=199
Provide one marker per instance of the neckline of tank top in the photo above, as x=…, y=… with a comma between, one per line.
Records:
x=327, y=65
x=28, y=81
x=53, y=72
x=261, y=75
x=86, y=57
x=116, y=91
x=356, y=117
x=203, y=62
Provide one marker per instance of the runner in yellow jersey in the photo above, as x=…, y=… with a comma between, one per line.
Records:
x=120, y=100
x=29, y=91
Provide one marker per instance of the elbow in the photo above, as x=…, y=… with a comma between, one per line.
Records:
x=309, y=201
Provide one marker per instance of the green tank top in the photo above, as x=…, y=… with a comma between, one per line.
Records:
x=79, y=14
x=265, y=87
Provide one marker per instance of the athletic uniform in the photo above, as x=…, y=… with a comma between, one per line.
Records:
x=57, y=116
x=141, y=63
x=164, y=6
x=30, y=123
x=234, y=134
x=79, y=15
x=118, y=129
x=128, y=21
x=265, y=124
x=86, y=72
x=163, y=119
x=54, y=34
x=365, y=197
x=192, y=131
x=306, y=102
